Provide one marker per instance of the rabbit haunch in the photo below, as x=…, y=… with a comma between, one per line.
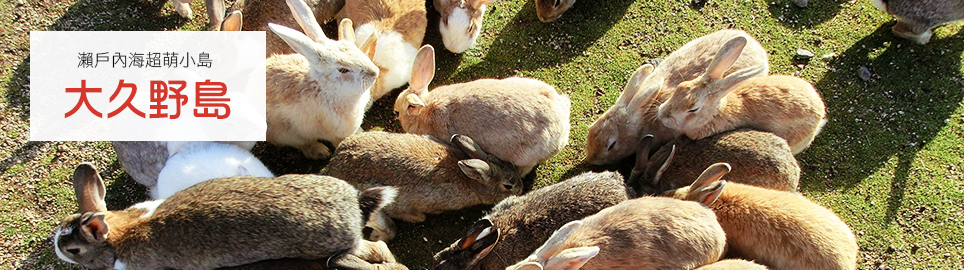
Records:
x=218, y=223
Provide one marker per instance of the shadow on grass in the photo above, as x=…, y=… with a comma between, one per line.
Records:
x=816, y=13
x=913, y=90
x=28, y=151
x=130, y=15
x=526, y=44
x=17, y=90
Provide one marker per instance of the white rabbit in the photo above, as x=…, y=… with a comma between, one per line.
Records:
x=197, y=162
x=143, y=161
x=460, y=23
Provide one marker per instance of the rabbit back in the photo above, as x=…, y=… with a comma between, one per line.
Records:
x=651, y=233
x=784, y=230
x=758, y=158
x=519, y=120
x=733, y=264
x=143, y=161
x=238, y=220
x=424, y=170
x=201, y=161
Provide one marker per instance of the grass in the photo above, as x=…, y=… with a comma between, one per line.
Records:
x=888, y=162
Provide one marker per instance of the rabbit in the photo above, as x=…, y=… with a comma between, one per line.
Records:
x=779, y=229
x=615, y=134
x=551, y=10
x=219, y=223
x=520, y=120
x=362, y=258
x=460, y=23
x=399, y=26
x=201, y=161
x=785, y=105
x=759, y=158
x=144, y=160
x=519, y=224
x=642, y=233
x=319, y=95
x=215, y=11
x=258, y=13
x=431, y=176
x=733, y=264
x=919, y=17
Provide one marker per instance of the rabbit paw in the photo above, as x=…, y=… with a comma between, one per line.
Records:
x=316, y=150
x=383, y=228
x=903, y=30
x=183, y=9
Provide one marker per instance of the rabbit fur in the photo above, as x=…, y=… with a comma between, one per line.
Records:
x=144, y=160
x=759, y=158
x=460, y=23
x=201, y=161
x=785, y=105
x=258, y=13
x=215, y=10
x=319, y=95
x=218, y=223
x=551, y=10
x=369, y=255
x=399, y=28
x=520, y=120
x=519, y=224
x=642, y=233
x=615, y=134
x=431, y=176
x=733, y=264
x=779, y=229
x=919, y=17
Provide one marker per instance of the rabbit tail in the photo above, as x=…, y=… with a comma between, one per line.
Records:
x=373, y=199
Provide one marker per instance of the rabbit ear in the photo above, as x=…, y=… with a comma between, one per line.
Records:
x=478, y=3
x=725, y=57
x=635, y=82
x=725, y=85
x=712, y=173
x=480, y=239
x=297, y=41
x=528, y=266
x=345, y=31
x=642, y=158
x=476, y=169
x=232, y=22
x=706, y=194
x=423, y=70
x=306, y=19
x=94, y=228
x=369, y=46
x=554, y=244
x=415, y=104
x=468, y=146
x=89, y=189
x=572, y=259
x=665, y=164
x=647, y=95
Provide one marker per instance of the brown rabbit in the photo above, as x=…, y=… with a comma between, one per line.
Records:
x=520, y=120
x=369, y=255
x=519, y=224
x=733, y=264
x=779, y=229
x=787, y=106
x=431, y=176
x=218, y=223
x=616, y=133
x=258, y=13
x=759, y=158
x=919, y=17
x=642, y=233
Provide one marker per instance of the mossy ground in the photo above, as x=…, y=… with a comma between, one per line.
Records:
x=888, y=163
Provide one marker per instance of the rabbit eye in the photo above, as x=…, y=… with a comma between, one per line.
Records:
x=611, y=145
x=693, y=110
x=74, y=251
x=343, y=70
x=558, y=2
x=507, y=186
